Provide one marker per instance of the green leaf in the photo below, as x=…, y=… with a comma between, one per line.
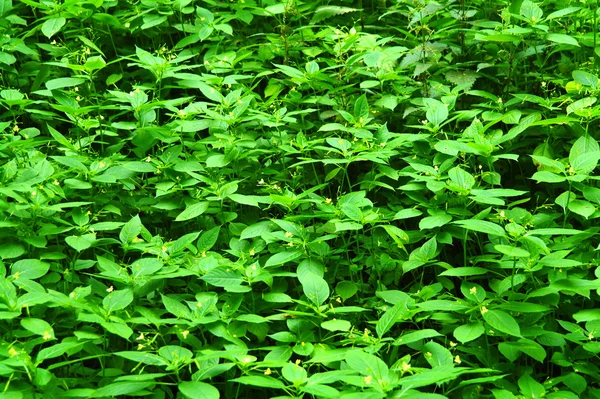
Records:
x=432, y=222
x=325, y=12
x=367, y=364
x=192, y=211
x=52, y=26
x=121, y=388
x=503, y=322
x=143, y=357
x=261, y=381
x=223, y=277
x=391, y=317
x=38, y=327
x=437, y=112
x=582, y=208
x=336, y=325
x=61, y=83
x=10, y=250
x=530, y=387
x=468, y=332
x=283, y=257
x=29, y=269
x=481, y=226
x=561, y=38
x=315, y=288
x=415, y=336
x=120, y=329
x=57, y=350
x=117, y=300
x=130, y=230
x=512, y=251
x=547, y=177
x=208, y=239
x=464, y=271
x=361, y=107
x=81, y=243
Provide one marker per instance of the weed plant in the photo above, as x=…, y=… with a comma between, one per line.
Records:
x=299, y=199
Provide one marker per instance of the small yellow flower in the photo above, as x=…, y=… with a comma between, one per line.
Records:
x=473, y=290
x=290, y=244
x=368, y=379
x=328, y=200
x=140, y=347
x=13, y=352
x=457, y=360
x=16, y=275
x=47, y=336
x=484, y=310
x=428, y=354
x=405, y=366
x=140, y=337
x=453, y=344
x=298, y=361
x=288, y=234
x=252, y=252
x=268, y=371
x=185, y=334
x=110, y=289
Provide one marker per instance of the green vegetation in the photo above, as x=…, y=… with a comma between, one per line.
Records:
x=299, y=199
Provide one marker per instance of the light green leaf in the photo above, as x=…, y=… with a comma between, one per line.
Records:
x=192, y=211
x=503, y=322
x=481, y=226
x=315, y=288
x=130, y=230
x=52, y=26
x=391, y=317
x=561, y=38
x=469, y=332
x=283, y=257
x=512, y=251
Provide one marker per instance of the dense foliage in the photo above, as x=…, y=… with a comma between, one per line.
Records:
x=299, y=199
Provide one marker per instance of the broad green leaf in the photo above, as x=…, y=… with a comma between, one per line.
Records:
x=367, y=364
x=336, y=325
x=315, y=288
x=547, y=177
x=52, y=26
x=461, y=178
x=208, y=239
x=437, y=112
x=432, y=222
x=481, y=226
x=530, y=387
x=294, y=373
x=416, y=336
x=38, y=327
x=391, y=317
x=57, y=350
x=283, y=257
x=117, y=300
x=81, y=243
x=60, y=83
x=261, y=381
x=582, y=208
x=511, y=251
x=468, y=332
x=121, y=388
x=11, y=250
x=130, y=230
x=192, y=211
x=223, y=277
x=143, y=357
x=561, y=38
x=436, y=355
x=503, y=322
x=464, y=271
x=29, y=269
